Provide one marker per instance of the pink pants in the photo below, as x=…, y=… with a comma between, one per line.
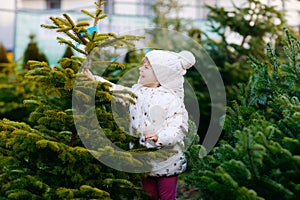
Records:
x=162, y=188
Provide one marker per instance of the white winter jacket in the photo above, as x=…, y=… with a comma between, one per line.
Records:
x=160, y=110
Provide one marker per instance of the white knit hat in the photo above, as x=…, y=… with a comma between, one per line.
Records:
x=169, y=68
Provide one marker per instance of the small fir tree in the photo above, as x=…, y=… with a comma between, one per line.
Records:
x=68, y=52
x=47, y=160
x=6, y=66
x=32, y=52
x=13, y=90
x=3, y=54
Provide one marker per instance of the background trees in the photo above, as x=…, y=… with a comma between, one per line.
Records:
x=242, y=32
x=256, y=158
x=259, y=159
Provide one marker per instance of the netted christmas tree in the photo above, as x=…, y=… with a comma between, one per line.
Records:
x=68, y=52
x=13, y=90
x=48, y=159
x=3, y=55
x=259, y=156
x=32, y=52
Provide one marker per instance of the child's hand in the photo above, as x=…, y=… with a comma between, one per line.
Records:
x=88, y=73
x=150, y=135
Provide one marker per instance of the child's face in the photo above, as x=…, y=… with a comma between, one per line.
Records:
x=147, y=77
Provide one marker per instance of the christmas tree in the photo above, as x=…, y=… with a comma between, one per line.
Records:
x=32, y=52
x=49, y=158
x=68, y=52
x=13, y=90
x=3, y=54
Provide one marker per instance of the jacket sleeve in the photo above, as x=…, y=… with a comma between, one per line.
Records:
x=121, y=93
x=114, y=87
